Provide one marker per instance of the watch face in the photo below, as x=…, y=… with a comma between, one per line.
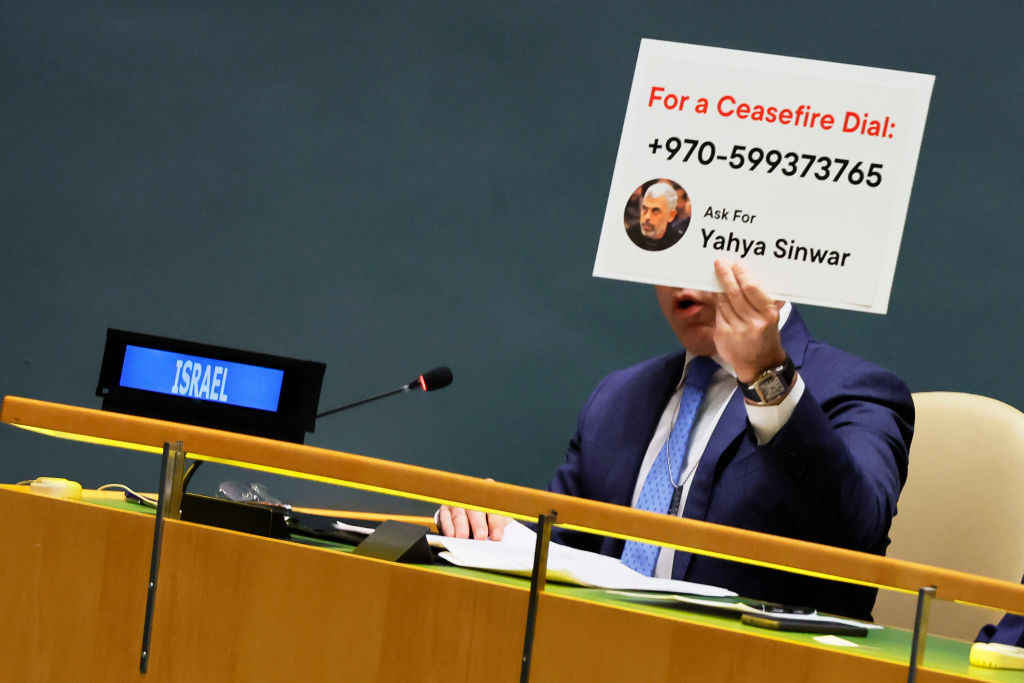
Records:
x=771, y=388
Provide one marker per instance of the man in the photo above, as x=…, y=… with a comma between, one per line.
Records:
x=820, y=454
x=657, y=212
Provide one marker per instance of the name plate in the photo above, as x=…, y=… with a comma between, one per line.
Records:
x=211, y=386
x=207, y=379
x=802, y=169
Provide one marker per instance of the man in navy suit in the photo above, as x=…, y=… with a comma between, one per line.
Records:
x=793, y=437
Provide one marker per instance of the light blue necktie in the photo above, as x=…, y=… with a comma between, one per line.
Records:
x=660, y=485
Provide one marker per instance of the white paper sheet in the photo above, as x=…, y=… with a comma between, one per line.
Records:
x=514, y=555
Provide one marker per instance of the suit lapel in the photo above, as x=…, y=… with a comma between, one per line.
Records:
x=731, y=426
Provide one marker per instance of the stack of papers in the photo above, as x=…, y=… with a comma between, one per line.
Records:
x=514, y=555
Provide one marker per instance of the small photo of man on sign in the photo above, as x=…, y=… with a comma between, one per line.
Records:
x=657, y=214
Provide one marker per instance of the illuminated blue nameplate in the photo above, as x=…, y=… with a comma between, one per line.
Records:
x=237, y=384
x=210, y=386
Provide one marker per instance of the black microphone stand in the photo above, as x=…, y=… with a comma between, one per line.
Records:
x=407, y=387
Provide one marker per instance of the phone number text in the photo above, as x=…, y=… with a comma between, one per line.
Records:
x=787, y=163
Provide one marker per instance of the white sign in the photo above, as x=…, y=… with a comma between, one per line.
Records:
x=801, y=169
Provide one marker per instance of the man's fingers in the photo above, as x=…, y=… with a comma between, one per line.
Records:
x=495, y=527
x=497, y=523
x=444, y=521
x=454, y=521
x=478, y=524
x=735, y=289
x=752, y=292
x=726, y=304
x=460, y=522
x=726, y=278
x=724, y=311
x=463, y=523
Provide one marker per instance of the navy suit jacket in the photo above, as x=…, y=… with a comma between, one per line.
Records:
x=831, y=475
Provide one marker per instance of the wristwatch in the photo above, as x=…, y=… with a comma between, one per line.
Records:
x=772, y=385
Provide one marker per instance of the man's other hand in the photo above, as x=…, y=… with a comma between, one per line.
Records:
x=463, y=523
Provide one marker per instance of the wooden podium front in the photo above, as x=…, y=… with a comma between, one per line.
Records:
x=236, y=607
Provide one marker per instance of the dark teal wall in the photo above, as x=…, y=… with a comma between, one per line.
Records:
x=389, y=187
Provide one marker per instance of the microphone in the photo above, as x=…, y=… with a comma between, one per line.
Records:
x=431, y=380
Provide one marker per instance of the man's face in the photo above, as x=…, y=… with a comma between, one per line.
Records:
x=655, y=217
x=691, y=315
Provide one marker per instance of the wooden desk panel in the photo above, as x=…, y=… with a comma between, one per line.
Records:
x=233, y=607
x=70, y=577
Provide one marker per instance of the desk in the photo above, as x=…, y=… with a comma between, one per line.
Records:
x=236, y=607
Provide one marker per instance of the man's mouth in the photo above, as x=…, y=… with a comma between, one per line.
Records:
x=687, y=303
